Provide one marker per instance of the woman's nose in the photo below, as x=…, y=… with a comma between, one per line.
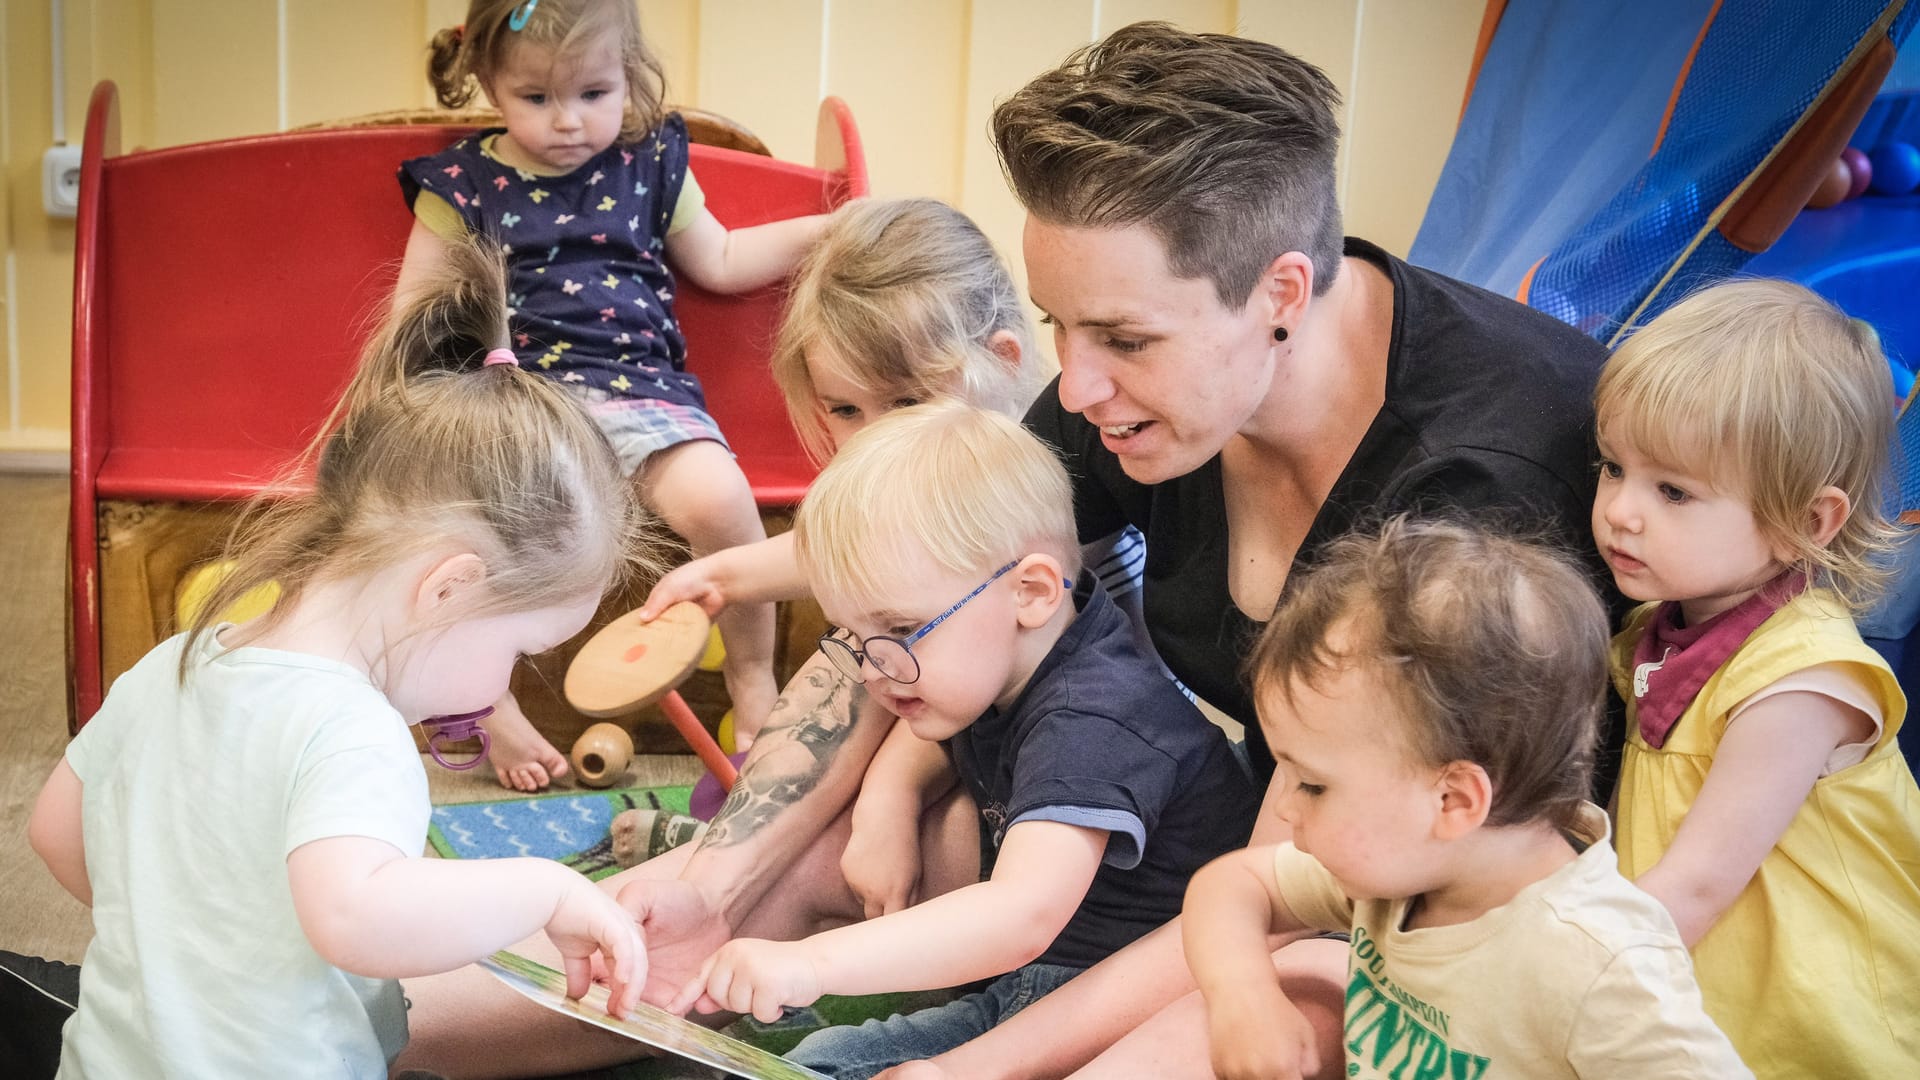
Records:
x=1083, y=380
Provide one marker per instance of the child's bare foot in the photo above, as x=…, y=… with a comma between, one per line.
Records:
x=751, y=689
x=522, y=758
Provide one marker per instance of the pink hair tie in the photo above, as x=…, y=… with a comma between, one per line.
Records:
x=501, y=356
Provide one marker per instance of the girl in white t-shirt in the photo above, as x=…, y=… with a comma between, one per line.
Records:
x=247, y=812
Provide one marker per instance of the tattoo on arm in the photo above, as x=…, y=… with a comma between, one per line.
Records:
x=768, y=786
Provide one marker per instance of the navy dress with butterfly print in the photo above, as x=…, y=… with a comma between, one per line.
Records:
x=589, y=293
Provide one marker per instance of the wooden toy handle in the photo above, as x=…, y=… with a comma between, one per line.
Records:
x=696, y=735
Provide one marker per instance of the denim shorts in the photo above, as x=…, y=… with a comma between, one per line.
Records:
x=638, y=428
x=852, y=1052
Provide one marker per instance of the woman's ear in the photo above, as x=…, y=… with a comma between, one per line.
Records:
x=1285, y=289
x=1465, y=795
x=1005, y=344
x=450, y=582
x=1040, y=586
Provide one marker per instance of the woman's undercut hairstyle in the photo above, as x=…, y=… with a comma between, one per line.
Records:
x=464, y=59
x=903, y=296
x=945, y=483
x=1770, y=393
x=1223, y=146
x=432, y=447
x=1495, y=646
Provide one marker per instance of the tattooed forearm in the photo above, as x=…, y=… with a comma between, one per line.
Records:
x=772, y=779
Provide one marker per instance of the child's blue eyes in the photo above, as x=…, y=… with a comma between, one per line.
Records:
x=1611, y=470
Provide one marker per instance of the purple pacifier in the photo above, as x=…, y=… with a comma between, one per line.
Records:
x=457, y=728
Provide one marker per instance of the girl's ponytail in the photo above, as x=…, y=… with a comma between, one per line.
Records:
x=431, y=445
x=446, y=72
x=447, y=322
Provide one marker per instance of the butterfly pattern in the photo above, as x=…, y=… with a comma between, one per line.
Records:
x=592, y=306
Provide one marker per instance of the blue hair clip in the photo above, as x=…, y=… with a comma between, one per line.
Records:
x=518, y=21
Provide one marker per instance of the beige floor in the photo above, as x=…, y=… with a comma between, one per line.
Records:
x=37, y=917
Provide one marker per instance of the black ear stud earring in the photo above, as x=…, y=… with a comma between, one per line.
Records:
x=1279, y=333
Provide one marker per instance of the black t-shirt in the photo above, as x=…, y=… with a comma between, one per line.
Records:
x=1101, y=737
x=1488, y=411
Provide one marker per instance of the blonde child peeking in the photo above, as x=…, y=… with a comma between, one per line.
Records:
x=586, y=189
x=1763, y=799
x=465, y=513
x=1432, y=695
x=901, y=302
x=940, y=541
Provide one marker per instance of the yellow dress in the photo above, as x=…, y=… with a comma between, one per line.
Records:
x=1814, y=971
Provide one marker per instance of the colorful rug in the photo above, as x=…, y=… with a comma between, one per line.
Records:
x=569, y=827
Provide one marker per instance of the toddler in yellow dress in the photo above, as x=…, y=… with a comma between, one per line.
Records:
x=1763, y=799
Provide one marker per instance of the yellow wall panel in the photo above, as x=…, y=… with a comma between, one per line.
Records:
x=760, y=63
x=1411, y=72
x=214, y=77
x=111, y=39
x=349, y=57
x=902, y=70
x=999, y=63
x=39, y=267
x=672, y=29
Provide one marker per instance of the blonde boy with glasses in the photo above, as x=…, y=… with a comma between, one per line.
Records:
x=940, y=541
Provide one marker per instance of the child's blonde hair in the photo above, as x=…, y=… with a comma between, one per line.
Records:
x=904, y=295
x=1495, y=646
x=1771, y=393
x=431, y=445
x=474, y=52
x=963, y=488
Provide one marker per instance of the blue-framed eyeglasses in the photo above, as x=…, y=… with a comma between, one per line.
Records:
x=891, y=656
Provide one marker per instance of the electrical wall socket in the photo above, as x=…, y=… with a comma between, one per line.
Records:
x=60, y=181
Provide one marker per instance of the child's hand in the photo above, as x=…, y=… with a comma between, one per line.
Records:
x=695, y=581
x=587, y=921
x=1260, y=1035
x=882, y=862
x=748, y=975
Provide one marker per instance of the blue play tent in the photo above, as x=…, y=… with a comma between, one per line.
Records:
x=1611, y=157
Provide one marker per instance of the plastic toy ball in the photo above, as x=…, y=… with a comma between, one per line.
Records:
x=1833, y=187
x=198, y=586
x=716, y=655
x=1896, y=168
x=1861, y=168
x=708, y=796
